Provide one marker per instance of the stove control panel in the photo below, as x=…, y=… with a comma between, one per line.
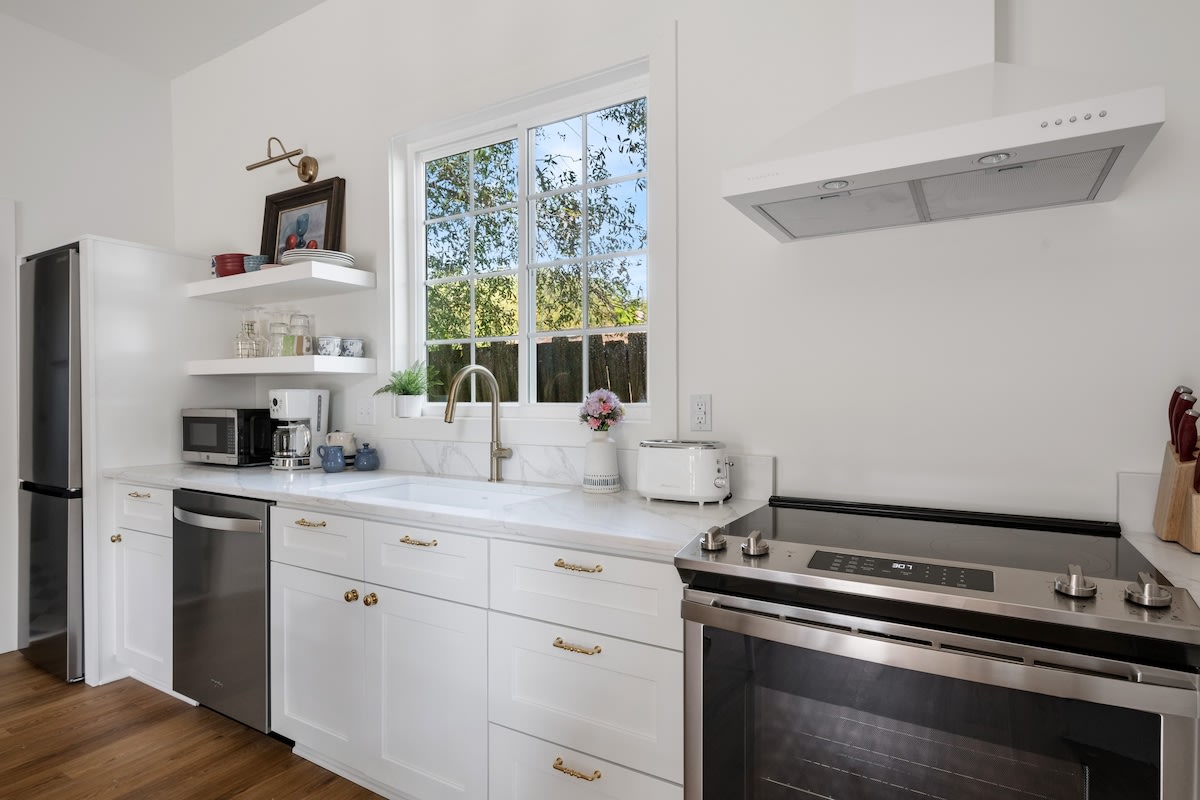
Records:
x=980, y=580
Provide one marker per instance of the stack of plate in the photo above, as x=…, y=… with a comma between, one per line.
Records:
x=324, y=256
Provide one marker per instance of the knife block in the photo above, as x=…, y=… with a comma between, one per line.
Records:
x=1173, y=507
x=1189, y=537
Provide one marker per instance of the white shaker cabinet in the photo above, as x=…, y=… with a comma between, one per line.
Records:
x=385, y=686
x=141, y=545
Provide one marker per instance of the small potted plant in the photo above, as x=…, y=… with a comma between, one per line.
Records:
x=410, y=387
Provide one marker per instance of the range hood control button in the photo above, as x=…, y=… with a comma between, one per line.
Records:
x=1074, y=583
x=1147, y=592
x=754, y=545
x=712, y=539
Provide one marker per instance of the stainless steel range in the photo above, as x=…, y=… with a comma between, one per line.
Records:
x=840, y=651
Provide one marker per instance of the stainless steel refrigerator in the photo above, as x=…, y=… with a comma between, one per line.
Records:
x=50, y=500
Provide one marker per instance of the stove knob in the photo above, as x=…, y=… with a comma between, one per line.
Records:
x=754, y=545
x=1074, y=583
x=1147, y=592
x=712, y=539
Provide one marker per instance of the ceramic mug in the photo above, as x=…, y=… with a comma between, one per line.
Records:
x=329, y=345
x=352, y=348
x=332, y=458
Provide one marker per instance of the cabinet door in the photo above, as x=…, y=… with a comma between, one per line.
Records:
x=611, y=698
x=316, y=664
x=142, y=566
x=426, y=662
x=525, y=768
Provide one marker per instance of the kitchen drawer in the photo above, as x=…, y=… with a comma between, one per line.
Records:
x=435, y=563
x=143, y=508
x=618, y=596
x=315, y=540
x=610, y=698
x=523, y=768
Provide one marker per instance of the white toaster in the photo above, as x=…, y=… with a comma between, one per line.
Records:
x=670, y=469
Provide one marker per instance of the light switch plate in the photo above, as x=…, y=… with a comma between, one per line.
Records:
x=366, y=411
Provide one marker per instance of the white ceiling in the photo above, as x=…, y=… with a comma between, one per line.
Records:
x=163, y=37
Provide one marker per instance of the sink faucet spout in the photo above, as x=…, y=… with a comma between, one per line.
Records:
x=497, y=451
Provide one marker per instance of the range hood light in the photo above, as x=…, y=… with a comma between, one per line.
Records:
x=835, y=184
x=995, y=158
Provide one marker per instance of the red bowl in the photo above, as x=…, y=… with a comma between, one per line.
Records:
x=224, y=268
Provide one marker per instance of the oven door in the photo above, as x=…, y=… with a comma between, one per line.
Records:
x=784, y=702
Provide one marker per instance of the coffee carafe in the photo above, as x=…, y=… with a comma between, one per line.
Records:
x=303, y=418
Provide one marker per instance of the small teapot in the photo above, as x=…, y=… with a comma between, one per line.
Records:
x=366, y=458
x=332, y=458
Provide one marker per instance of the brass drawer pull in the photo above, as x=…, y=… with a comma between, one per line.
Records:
x=371, y=599
x=140, y=495
x=116, y=537
x=578, y=567
x=574, y=648
x=574, y=773
x=303, y=523
x=406, y=539
x=351, y=595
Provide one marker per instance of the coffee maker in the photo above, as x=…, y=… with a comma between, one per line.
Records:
x=303, y=419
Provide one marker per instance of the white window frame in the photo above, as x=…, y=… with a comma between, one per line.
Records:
x=540, y=422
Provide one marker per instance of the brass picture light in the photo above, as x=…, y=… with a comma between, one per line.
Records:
x=306, y=169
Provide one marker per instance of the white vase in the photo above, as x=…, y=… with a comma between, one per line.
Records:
x=600, y=473
x=409, y=405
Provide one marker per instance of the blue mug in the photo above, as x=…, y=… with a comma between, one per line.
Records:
x=332, y=457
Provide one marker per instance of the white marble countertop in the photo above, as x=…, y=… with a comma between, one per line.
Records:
x=623, y=523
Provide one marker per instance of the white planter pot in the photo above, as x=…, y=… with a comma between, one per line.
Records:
x=409, y=405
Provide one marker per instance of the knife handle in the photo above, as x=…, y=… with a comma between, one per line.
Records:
x=1185, y=402
x=1172, y=420
x=1185, y=434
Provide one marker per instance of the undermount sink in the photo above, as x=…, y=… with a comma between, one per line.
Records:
x=452, y=492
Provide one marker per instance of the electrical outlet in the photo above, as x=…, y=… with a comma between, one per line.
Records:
x=700, y=412
x=366, y=411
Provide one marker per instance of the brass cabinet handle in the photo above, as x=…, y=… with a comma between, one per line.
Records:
x=574, y=648
x=578, y=567
x=351, y=595
x=116, y=537
x=406, y=539
x=371, y=599
x=574, y=773
x=303, y=523
x=139, y=495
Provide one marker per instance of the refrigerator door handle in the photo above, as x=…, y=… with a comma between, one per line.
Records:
x=233, y=524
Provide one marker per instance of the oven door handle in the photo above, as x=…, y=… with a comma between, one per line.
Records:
x=950, y=655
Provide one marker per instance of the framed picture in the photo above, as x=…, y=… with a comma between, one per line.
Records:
x=307, y=216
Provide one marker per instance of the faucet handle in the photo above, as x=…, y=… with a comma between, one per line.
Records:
x=501, y=452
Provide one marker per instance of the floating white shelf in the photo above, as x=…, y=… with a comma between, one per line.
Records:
x=284, y=365
x=299, y=281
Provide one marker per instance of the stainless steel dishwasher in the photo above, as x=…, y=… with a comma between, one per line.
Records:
x=220, y=612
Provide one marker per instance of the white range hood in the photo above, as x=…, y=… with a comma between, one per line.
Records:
x=989, y=139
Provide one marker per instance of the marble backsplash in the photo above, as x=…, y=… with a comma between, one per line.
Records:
x=753, y=476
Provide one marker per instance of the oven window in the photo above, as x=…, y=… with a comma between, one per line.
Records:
x=784, y=722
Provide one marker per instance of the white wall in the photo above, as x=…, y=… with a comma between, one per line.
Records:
x=1014, y=362
x=85, y=148
x=8, y=411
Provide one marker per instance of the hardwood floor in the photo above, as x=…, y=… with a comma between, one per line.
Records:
x=125, y=740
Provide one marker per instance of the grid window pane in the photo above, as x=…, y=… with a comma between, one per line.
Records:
x=617, y=140
x=444, y=360
x=447, y=248
x=496, y=306
x=559, y=230
x=616, y=217
x=496, y=241
x=448, y=310
x=447, y=187
x=617, y=292
x=501, y=359
x=617, y=361
x=558, y=298
x=558, y=155
x=560, y=369
x=495, y=173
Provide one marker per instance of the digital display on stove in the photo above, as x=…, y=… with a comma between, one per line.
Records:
x=980, y=580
